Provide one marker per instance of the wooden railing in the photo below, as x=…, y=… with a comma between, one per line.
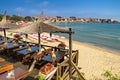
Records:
x=63, y=68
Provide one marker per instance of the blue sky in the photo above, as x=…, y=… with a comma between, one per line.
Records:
x=65, y=8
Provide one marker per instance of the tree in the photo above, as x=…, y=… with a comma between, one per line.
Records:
x=8, y=17
x=58, y=16
x=28, y=18
x=16, y=18
x=1, y=17
x=73, y=17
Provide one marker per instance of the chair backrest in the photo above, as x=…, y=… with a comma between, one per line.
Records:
x=6, y=67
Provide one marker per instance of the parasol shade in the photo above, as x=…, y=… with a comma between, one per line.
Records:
x=38, y=27
x=4, y=24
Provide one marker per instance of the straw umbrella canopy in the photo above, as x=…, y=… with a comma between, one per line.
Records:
x=38, y=27
x=5, y=25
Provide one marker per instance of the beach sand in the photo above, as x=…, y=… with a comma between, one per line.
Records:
x=93, y=60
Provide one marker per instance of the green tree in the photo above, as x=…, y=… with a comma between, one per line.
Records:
x=73, y=17
x=1, y=17
x=8, y=17
x=16, y=18
x=28, y=18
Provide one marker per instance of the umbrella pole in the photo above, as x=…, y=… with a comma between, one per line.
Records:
x=39, y=42
x=26, y=37
x=33, y=64
x=5, y=35
x=70, y=51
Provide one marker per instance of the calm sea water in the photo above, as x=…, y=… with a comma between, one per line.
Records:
x=99, y=34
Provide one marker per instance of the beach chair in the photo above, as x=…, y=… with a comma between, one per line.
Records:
x=6, y=67
x=25, y=58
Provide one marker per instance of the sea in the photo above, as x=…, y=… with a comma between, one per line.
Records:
x=106, y=35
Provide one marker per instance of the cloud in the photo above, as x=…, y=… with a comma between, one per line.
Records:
x=19, y=9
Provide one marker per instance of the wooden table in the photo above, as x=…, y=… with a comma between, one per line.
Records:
x=19, y=74
x=25, y=51
x=8, y=40
x=48, y=57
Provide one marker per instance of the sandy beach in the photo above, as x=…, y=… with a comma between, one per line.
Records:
x=93, y=60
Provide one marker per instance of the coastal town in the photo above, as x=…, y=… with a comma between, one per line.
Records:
x=75, y=19
x=55, y=19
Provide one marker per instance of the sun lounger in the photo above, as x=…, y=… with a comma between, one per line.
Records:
x=6, y=67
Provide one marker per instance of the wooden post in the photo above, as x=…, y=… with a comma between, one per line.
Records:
x=26, y=36
x=5, y=35
x=70, y=52
x=39, y=42
x=58, y=75
x=77, y=55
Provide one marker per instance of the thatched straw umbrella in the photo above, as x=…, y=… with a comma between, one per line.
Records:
x=5, y=25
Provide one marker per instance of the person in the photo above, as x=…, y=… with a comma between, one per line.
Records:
x=28, y=47
x=53, y=54
x=62, y=45
x=14, y=43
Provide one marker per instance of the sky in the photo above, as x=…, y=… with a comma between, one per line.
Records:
x=64, y=8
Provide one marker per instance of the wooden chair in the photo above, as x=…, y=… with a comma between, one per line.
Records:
x=6, y=67
x=25, y=58
x=34, y=56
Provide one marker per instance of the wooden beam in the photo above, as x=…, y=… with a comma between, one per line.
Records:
x=76, y=68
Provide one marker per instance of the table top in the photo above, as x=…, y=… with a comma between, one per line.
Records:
x=49, y=57
x=8, y=40
x=11, y=45
x=18, y=72
x=25, y=51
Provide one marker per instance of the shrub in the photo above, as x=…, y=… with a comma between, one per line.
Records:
x=110, y=76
